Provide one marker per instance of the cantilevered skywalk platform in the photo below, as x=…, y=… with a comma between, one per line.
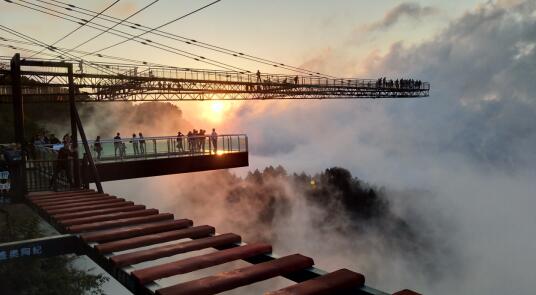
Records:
x=151, y=156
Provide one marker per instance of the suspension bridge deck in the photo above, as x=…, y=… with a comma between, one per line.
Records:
x=116, y=82
x=130, y=241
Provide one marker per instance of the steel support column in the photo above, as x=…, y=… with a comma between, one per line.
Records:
x=74, y=132
x=87, y=150
x=18, y=119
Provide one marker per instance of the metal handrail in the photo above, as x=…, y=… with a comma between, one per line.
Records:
x=155, y=146
x=91, y=141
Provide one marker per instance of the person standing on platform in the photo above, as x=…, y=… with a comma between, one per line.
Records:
x=214, y=140
x=142, y=143
x=180, y=138
x=135, y=143
x=117, y=144
x=61, y=165
x=202, y=140
x=97, y=146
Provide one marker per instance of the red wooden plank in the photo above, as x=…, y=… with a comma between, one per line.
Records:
x=89, y=208
x=240, y=277
x=63, y=198
x=49, y=193
x=331, y=283
x=170, y=250
x=68, y=201
x=135, y=231
x=121, y=245
x=187, y=265
x=111, y=216
x=406, y=292
x=120, y=222
x=81, y=204
x=55, y=196
x=125, y=208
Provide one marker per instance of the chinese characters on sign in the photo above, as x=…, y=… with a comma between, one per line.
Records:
x=5, y=186
x=21, y=252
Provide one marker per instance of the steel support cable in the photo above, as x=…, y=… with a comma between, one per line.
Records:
x=133, y=61
x=164, y=47
x=160, y=26
x=115, y=25
x=79, y=27
x=201, y=44
x=42, y=44
x=193, y=56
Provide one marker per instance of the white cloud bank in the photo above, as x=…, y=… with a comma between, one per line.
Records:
x=471, y=145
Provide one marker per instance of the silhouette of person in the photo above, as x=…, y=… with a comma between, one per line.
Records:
x=142, y=143
x=135, y=143
x=180, y=138
x=97, y=146
x=62, y=165
x=117, y=144
x=214, y=140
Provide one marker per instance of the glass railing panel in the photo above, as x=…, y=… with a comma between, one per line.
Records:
x=150, y=147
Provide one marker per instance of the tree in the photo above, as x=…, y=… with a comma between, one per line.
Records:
x=43, y=276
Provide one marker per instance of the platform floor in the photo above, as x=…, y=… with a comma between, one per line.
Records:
x=123, y=237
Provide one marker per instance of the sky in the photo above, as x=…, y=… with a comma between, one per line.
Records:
x=470, y=145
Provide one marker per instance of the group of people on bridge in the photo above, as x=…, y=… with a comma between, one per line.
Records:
x=120, y=147
x=399, y=83
x=196, y=141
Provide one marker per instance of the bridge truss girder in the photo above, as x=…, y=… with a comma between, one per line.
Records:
x=40, y=86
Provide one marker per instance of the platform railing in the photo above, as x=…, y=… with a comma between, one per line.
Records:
x=154, y=147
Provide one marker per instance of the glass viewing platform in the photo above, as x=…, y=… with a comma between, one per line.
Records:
x=135, y=149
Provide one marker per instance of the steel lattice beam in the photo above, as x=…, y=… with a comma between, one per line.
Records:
x=172, y=84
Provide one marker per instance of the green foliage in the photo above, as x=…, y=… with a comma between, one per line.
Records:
x=41, y=276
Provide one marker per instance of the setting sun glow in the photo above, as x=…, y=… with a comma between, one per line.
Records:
x=217, y=107
x=215, y=111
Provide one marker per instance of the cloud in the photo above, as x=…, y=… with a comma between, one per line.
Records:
x=469, y=148
x=411, y=10
x=470, y=144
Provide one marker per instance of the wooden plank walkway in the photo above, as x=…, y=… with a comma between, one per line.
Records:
x=108, y=224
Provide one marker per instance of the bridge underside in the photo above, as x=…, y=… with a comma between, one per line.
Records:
x=129, y=169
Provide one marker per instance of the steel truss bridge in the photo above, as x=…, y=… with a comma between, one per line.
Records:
x=98, y=82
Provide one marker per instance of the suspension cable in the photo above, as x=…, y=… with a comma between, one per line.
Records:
x=193, y=42
x=158, y=45
x=44, y=45
x=160, y=26
x=79, y=27
x=116, y=24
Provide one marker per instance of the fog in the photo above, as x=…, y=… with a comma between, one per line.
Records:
x=458, y=167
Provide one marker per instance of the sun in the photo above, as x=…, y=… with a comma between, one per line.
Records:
x=214, y=112
x=217, y=107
